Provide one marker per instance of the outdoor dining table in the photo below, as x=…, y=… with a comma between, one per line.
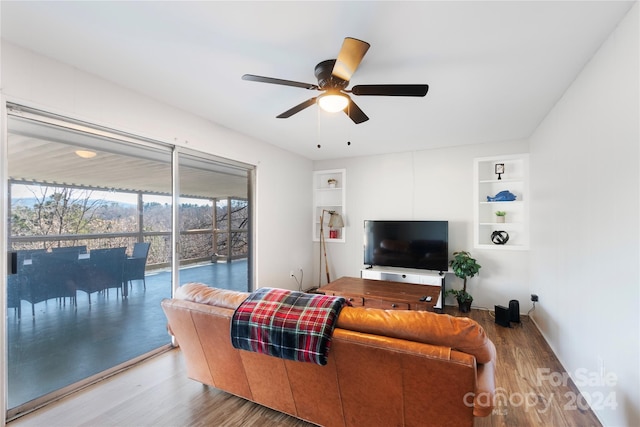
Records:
x=76, y=271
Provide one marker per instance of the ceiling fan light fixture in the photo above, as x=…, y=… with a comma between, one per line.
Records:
x=332, y=102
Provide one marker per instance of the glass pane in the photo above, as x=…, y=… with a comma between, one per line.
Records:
x=93, y=256
x=222, y=214
x=195, y=219
x=156, y=220
x=204, y=221
x=222, y=244
x=68, y=215
x=157, y=212
x=239, y=214
x=232, y=222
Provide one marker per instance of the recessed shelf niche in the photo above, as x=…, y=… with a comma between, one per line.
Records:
x=514, y=179
x=330, y=196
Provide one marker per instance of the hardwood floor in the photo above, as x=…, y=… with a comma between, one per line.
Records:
x=157, y=392
x=524, y=394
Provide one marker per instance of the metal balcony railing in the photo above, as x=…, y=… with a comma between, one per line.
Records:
x=195, y=245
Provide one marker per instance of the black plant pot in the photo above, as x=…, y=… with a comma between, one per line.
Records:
x=464, y=306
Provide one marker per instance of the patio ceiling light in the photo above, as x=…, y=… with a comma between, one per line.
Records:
x=85, y=154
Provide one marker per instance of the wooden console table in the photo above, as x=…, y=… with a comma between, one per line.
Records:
x=383, y=294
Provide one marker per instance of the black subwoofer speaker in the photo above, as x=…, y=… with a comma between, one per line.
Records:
x=514, y=310
x=502, y=316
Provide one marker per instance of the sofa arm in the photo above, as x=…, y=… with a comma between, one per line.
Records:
x=203, y=294
x=484, y=398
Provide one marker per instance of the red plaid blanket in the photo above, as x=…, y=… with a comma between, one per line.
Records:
x=287, y=324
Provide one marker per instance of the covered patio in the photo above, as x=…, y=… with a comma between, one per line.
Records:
x=64, y=344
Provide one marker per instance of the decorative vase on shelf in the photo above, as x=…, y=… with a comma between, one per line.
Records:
x=500, y=237
x=332, y=183
x=503, y=196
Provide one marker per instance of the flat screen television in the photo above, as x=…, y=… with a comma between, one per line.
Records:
x=409, y=244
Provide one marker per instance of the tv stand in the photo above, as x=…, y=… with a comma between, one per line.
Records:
x=408, y=275
x=384, y=295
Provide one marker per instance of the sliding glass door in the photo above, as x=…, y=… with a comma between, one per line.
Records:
x=209, y=253
x=91, y=223
x=81, y=205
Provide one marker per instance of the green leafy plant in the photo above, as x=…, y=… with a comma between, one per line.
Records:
x=464, y=267
x=500, y=213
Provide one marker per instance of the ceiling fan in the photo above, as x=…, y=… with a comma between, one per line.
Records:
x=333, y=78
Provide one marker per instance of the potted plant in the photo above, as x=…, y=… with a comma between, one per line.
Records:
x=500, y=216
x=463, y=266
x=332, y=182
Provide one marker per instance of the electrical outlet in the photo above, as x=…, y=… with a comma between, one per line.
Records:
x=534, y=297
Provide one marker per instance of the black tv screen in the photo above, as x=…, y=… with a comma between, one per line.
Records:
x=409, y=244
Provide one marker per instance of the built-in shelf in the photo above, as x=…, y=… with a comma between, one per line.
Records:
x=330, y=197
x=515, y=179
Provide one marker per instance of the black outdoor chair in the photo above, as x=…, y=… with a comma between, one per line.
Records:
x=14, y=282
x=28, y=253
x=77, y=249
x=17, y=282
x=135, y=265
x=103, y=271
x=50, y=275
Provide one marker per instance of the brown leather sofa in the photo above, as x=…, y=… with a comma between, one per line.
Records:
x=385, y=368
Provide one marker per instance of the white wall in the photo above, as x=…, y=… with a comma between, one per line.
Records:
x=283, y=179
x=584, y=165
x=585, y=235
x=428, y=185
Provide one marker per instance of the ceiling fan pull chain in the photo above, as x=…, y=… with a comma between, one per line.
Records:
x=318, y=127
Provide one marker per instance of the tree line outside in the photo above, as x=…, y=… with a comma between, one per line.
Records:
x=53, y=216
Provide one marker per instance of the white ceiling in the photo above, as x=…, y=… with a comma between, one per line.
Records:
x=495, y=69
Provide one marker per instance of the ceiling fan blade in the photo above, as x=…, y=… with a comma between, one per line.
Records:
x=261, y=79
x=355, y=113
x=349, y=58
x=297, y=108
x=391, y=90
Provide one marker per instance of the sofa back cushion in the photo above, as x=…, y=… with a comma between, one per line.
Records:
x=414, y=384
x=459, y=333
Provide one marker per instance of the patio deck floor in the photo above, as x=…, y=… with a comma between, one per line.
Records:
x=63, y=344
